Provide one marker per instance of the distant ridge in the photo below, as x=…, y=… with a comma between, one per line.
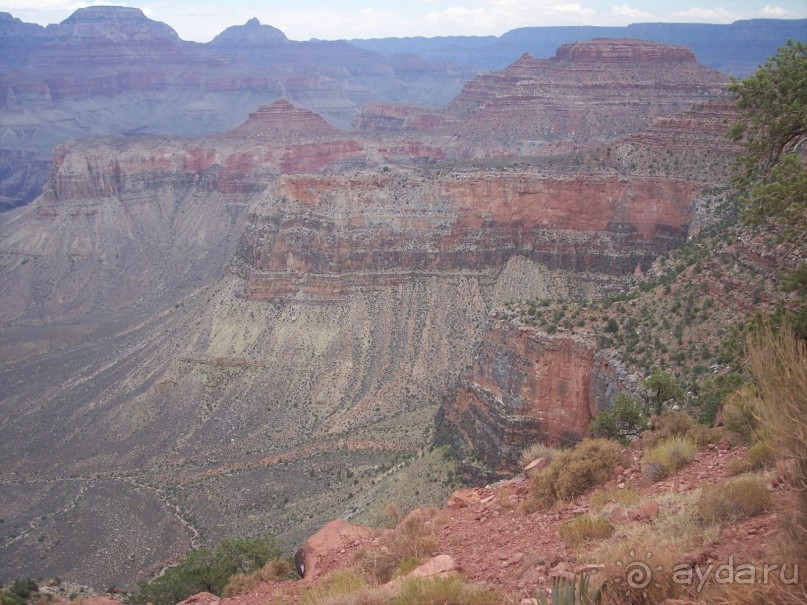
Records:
x=735, y=49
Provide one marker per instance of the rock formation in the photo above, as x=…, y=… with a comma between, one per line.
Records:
x=525, y=386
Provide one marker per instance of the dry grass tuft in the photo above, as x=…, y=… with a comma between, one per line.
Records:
x=667, y=457
x=613, y=495
x=733, y=500
x=778, y=362
x=584, y=528
x=538, y=450
x=676, y=423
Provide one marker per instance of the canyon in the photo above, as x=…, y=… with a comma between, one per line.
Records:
x=113, y=71
x=211, y=331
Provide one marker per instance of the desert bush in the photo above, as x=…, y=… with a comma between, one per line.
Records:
x=276, y=570
x=208, y=570
x=740, y=415
x=676, y=423
x=573, y=472
x=733, y=499
x=613, y=495
x=583, y=528
x=738, y=467
x=535, y=451
x=667, y=457
x=760, y=454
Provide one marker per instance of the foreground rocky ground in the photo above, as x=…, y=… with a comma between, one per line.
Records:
x=486, y=535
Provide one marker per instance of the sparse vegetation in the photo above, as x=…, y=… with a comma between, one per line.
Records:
x=572, y=591
x=276, y=570
x=401, y=549
x=537, y=450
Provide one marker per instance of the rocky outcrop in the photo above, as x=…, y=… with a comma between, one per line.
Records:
x=526, y=386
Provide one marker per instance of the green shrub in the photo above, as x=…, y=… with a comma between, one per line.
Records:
x=625, y=419
x=667, y=457
x=24, y=587
x=733, y=499
x=579, y=530
x=572, y=591
x=573, y=472
x=208, y=570
x=760, y=454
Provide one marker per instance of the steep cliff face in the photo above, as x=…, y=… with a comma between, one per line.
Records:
x=320, y=237
x=525, y=386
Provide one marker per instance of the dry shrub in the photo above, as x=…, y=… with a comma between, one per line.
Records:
x=410, y=542
x=537, y=450
x=676, y=423
x=574, y=472
x=760, y=454
x=778, y=362
x=275, y=570
x=667, y=457
x=626, y=565
x=444, y=591
x=613, y=495
x=579, y=530
x=741, y=416
x=733, y=499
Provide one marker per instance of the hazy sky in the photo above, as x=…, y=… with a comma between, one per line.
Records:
x=201, y=20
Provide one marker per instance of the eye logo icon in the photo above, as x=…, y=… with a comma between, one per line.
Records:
x=637, y=574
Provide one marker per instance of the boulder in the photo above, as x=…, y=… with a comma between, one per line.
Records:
x=332, y=538
x=535, y=467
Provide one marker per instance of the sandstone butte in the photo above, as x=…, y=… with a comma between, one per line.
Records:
x=312, y=284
